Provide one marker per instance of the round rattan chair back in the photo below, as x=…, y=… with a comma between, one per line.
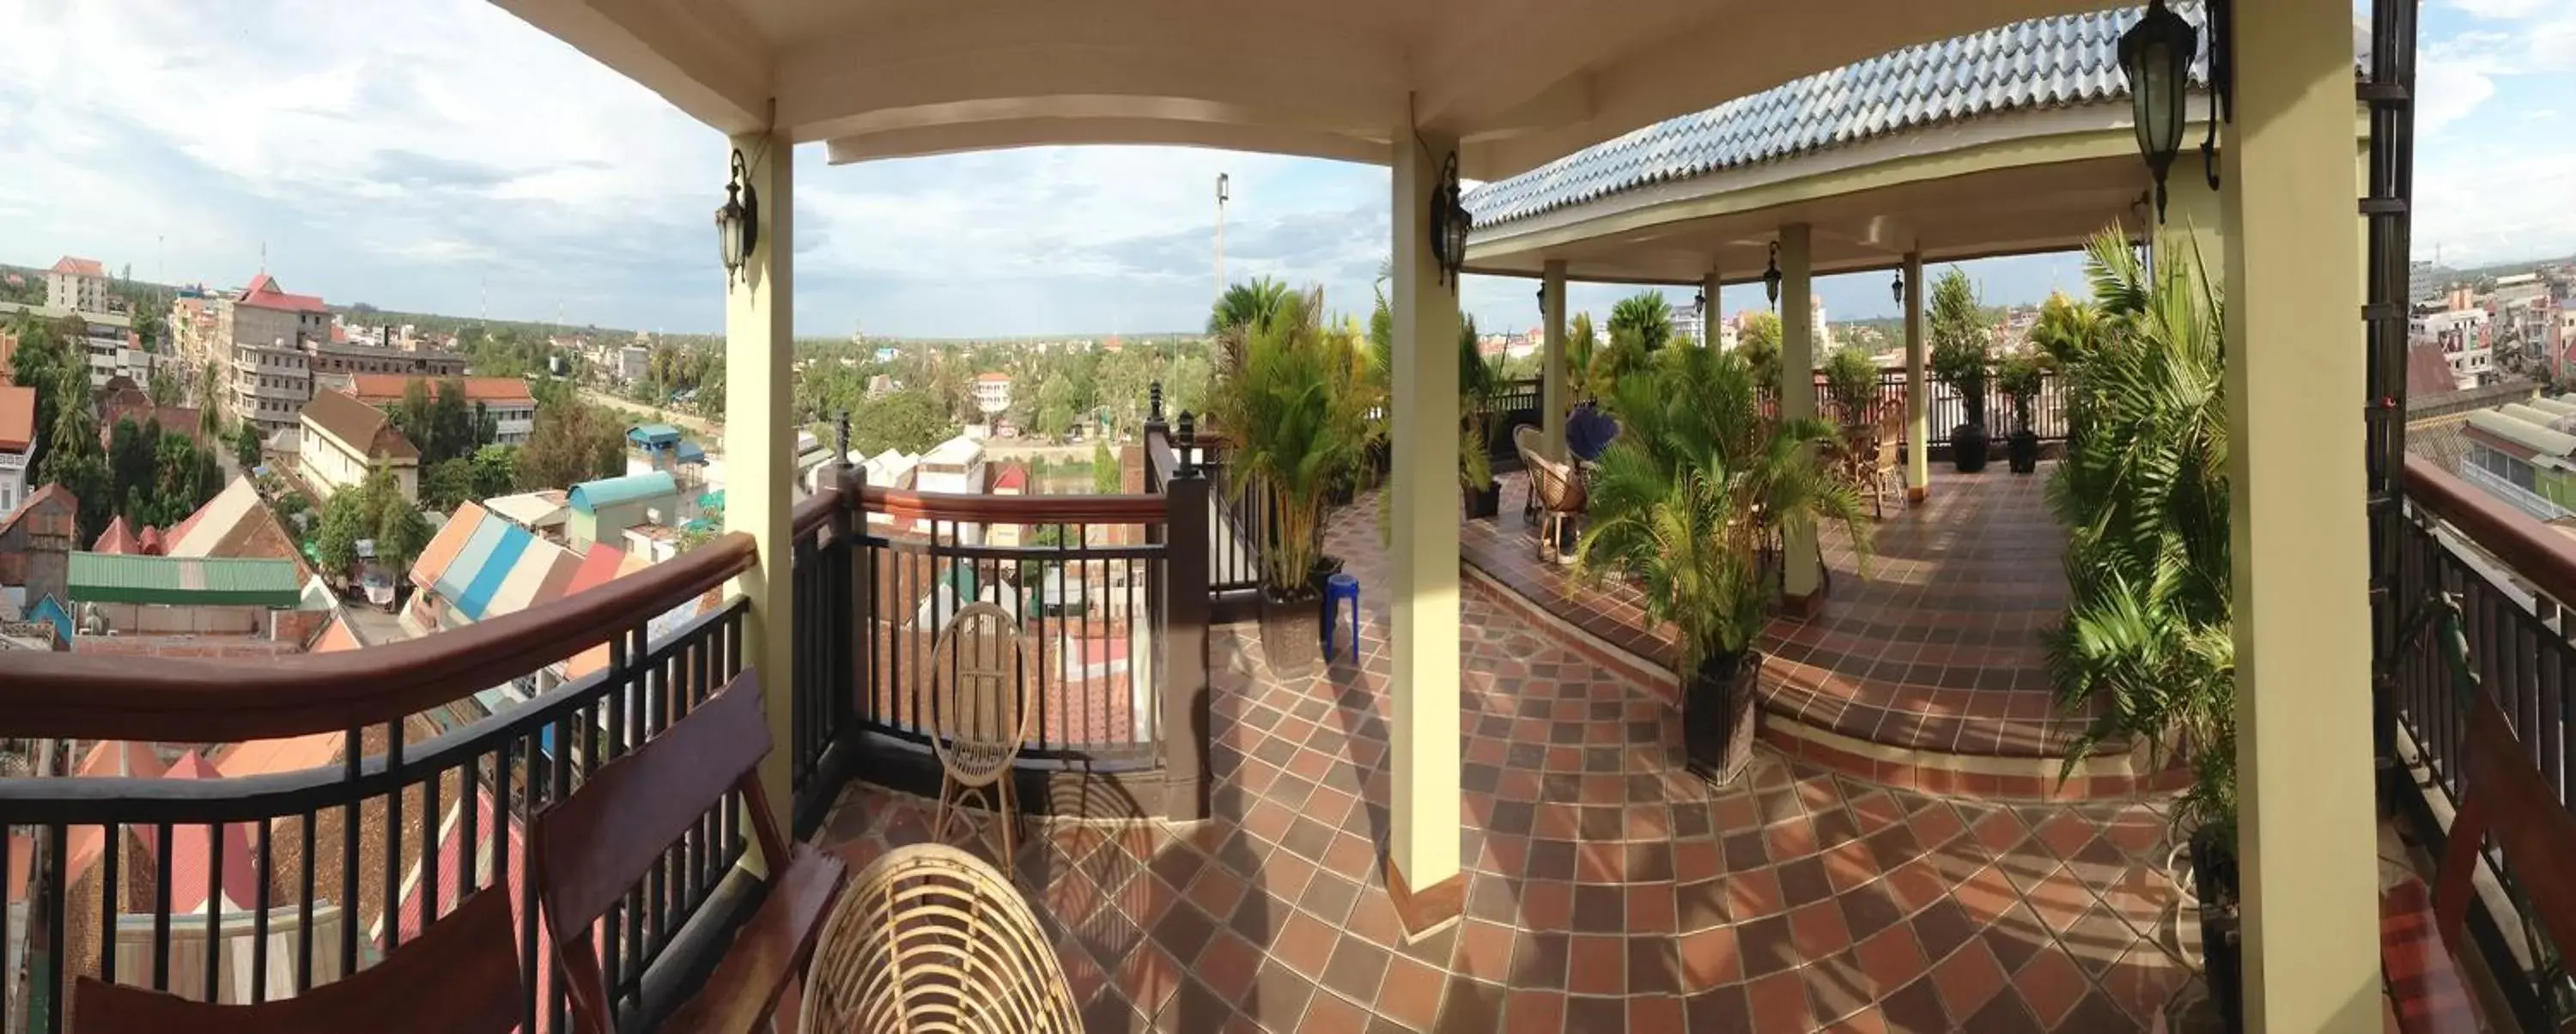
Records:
x=930, y=939
x=979, y=709
x=1558, y=489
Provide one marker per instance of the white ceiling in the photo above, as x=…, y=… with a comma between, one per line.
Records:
x=1521, y=81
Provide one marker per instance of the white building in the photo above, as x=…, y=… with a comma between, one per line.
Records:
x=992, y=394
x=955, y=465
x=632, y=361
x=2462, y=335
x=77, y=285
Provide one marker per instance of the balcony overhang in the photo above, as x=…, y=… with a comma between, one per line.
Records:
x=1520, y=84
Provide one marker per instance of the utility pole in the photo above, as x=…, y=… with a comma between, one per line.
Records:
x=1221, y=183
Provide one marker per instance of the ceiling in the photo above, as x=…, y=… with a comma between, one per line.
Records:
x=1521, y=82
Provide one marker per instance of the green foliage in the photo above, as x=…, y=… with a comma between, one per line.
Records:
x=1296, y=405
x=1851, y=381
x=1695, y=485
x=1579, y=344
x=2067, y=330
x=1105, y=476
x=440, y=422
x=2144, y=497
x=496, y=471
x=1626, y=354
x=2020, y=378
x=573, y=442
x=910, y=420
x=165, y=389
x=1960, y=341
x=1758, y=340
x=245, y=441
x=1252, y=305
x=1480, y=385
x=1648, y=315
x=447, y=483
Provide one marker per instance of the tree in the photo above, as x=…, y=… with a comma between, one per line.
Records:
x=1960, y=339
x=246, y=445
x=910, y=420
x=1106, y=479
x=165, y=388
x=1646, y=314
x=496, y=469
x=344, y=522
x=572, y=442
x=1579, y=342
x=447, y=483
x=1252, y=304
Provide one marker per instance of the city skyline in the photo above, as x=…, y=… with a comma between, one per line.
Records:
x=442, y=156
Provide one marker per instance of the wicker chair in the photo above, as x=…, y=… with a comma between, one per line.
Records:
x=1526, y=441
x=931, y=939
x=979, y=714
x=1562, y=494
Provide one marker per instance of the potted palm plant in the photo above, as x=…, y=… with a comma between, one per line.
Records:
x=1295, y=401
x=1684, y=502
x=2020, y=377
x=1959, y=357
x=1851, y=381
x=2147, y=641
x=1480, y=384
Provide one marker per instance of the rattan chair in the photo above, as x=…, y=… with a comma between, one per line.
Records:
x=928, y=938
x=1563, y=494
x=979, y=714
x=1526, y=441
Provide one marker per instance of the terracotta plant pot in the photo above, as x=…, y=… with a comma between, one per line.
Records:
x=1721, y=710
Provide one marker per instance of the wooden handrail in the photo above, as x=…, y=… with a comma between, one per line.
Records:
x=2537, y=555
x=94, y=696
x=814, y=511
x=971, y=508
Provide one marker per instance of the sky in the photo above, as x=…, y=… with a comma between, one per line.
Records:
x=441, y=155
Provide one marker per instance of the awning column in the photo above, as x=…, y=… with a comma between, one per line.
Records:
x=1709, y=321
x=1553, y=385
x=1918, y=391
x=760, y=437
x=1805, y=574
x=2295, y=364
x=1423, y=827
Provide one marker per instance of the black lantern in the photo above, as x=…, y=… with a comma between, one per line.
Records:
x=1542, y=301
x=1897, y=288
x=738, y=222
x=2155, y=55
x=1449, y=222
x=1699, y=301
x=1771, y=277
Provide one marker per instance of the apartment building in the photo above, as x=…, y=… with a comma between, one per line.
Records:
x=506, y=401
x=77, y=285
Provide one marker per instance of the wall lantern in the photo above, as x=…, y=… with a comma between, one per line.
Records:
x=1450, y=222
x=2155, y=56
x=1771, y=277
x=1897, y=288
x=738, y=222
x=1542, y=301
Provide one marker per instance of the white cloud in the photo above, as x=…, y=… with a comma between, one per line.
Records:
x=2504, y=9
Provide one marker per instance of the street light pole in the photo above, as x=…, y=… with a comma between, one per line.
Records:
x=1221, y=184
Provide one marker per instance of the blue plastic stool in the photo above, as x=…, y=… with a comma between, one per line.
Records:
x=1337, y=588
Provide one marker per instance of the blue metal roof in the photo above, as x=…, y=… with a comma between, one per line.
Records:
x=2043, y=63
x=589, y=496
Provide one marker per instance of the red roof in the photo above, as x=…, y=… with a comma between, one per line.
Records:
x=990, y=378
x=192, y=855
x=80, y=267
x=116, y=539
x=264, y=293
x=1013, y=478
x=380, y=388
x=150, y=540
x=17, y=417
x=598, y=567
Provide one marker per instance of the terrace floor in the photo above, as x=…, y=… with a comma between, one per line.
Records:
x=1606, y=889
x=1931, y=645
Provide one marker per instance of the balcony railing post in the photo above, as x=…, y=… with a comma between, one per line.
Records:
x=1187, y=775
x=848, y=597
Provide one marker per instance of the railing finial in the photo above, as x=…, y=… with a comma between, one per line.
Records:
x=1185, y=443
x=1154, y=402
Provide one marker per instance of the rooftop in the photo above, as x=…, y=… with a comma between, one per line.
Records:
x=263, y=293
x=359, y=426
x=589, y=496
x=80, y=267
x=184, y=581
x=17, y=417
x=381, y=388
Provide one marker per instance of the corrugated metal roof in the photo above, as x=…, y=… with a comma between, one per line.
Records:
x=589, y=496
x=462, y=571
x=185, y=581
x=2031, y=65
x=442, y=548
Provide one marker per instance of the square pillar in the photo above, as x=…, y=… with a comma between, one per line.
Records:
x=2299, y=530
x=1709, y=322
x=760, y=441
x=1553, y=398
x=1423, y=789
x=1918, y=390
x=2195, y=216
x=1805, y=574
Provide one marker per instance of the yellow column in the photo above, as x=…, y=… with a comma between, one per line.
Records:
x=1423, y=815
x=2195, y=218
x=1798, y=392
x=1552, y=392
x=760, y=439
x=2299, y=542
x=1918, y=391
x=1709, y=321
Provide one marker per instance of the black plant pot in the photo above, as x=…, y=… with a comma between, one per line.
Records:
x=1292, y=628
x=1343, y=494
x=2022, y=449
x=2214, y=879
x=1721, y=710
x=1485, y=502
x=1968, y=447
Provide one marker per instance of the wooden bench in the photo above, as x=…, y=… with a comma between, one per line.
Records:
x=597, y=844
x=461, y=976
x=2504, y=797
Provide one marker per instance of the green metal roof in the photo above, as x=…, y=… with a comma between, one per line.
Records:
x=184, y=581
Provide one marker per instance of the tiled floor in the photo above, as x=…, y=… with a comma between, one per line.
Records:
x=1606, y=889
x=1934, y=646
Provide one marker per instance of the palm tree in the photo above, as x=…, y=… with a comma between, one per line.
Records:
x=1579, y=341
x=1249, y=304
x=1296, y=406
x=1648, y=315
x=2144, y=497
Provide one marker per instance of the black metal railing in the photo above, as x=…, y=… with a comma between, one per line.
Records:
x=2512, y=578
x=1949, y=407
x=287, y=848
